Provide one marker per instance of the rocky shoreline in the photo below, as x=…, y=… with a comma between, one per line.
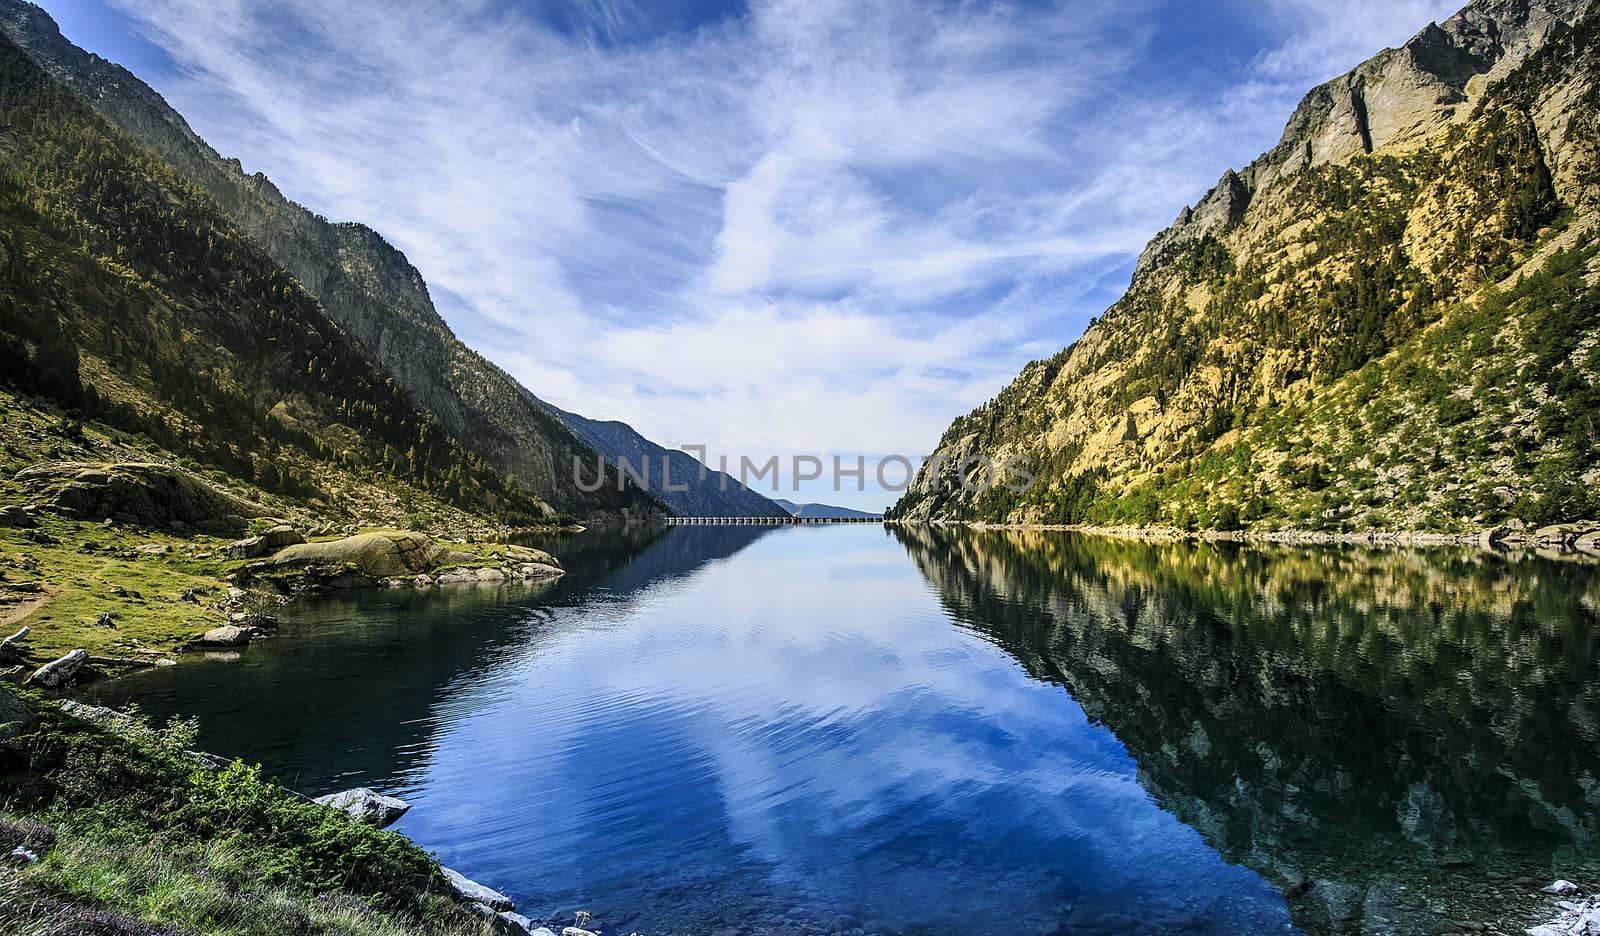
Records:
x=1571, y=914
x=279, y=564
x=364, y=805
x=1579, y=537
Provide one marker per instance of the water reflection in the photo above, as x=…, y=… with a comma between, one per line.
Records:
x=794, y=730
x=350, y=690
x=1379, y=732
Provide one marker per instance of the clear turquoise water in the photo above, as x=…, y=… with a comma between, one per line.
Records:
x=843, y=729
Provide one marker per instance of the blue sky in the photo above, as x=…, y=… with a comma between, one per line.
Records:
x=769, y=228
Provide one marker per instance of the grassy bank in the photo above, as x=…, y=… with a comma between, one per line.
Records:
x=116, y=588
x=135, y=835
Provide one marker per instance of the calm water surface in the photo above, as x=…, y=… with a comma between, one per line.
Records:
x=834, y=729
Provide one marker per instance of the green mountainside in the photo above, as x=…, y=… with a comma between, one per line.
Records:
x=126, y=296
x=1389, y=321
x=363, y=283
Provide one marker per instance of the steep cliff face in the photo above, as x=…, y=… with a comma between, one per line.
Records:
x=1386, y=321
x=367, y=286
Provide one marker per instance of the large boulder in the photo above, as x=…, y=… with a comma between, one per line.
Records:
x=144, y=493
x=15, y=715
x=507, y=922
x=471, y=892
x=375, y=555
x=228, y=635
x=16, y=515
x=254, y=547
x=367, y=805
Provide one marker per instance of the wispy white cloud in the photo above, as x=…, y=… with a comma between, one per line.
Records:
x=800, y=226
x=1329, y=37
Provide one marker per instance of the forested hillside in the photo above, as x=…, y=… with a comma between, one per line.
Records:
x=127, y=297
x=363, y=283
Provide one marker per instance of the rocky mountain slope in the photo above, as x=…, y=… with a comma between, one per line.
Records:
x=717, y=494
x=128, y=298
x=366, y=285
x=1388, y=321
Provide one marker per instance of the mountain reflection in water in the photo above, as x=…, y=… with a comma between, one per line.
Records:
x=732, y=730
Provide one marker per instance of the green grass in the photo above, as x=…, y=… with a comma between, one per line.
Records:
x=82, y=566
x=130, y=826
x=79, y=563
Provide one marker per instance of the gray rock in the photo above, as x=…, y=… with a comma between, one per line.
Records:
x=11, y=647
x=15, y=715
x=367, y=805
x=1561, y=888
x=228, y=635
x=107, y=718
x=59, y=672
x=13, y=515
x=137, y=492
x=471, y=891
x=371, y=555
x=504, y=922
x=271, y=541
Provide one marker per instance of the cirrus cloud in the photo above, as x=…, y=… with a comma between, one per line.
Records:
x=792, y=226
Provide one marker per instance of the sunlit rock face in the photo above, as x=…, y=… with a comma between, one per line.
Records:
x=1263, y=367
x=1376, y=732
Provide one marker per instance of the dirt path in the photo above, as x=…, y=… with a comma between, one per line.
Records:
x=12, y=613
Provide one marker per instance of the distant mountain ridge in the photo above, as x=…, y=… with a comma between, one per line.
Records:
x=367, y=286
x=820, y=511
x=715, y=495
x=1388, y=321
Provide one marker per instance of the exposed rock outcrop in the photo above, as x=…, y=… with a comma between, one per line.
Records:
x=1392, y=100
x=376, y=555
x=1262, y=370
x=470, y=891
x=228, y=635
x=15, y=716
x=17, y=516
x=144, y=493
x=402, y=559
x=367, y=805
x=270, y=541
